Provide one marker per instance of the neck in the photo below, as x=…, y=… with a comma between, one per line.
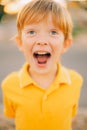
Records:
x=44, y=80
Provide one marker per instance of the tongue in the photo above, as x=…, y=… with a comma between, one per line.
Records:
x=42, y=59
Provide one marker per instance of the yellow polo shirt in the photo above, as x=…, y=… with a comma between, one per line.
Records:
x=35, y=108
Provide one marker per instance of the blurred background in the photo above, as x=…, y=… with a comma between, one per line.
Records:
x=76, y=58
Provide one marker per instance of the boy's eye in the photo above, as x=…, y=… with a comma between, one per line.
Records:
x=53, y=32
x=31, y=33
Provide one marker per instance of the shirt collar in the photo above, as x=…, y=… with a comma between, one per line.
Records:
x=24, y=76
x=62, y=76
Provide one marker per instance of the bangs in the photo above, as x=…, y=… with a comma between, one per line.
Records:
x=38, y=10
x=34, y=12
x=35, y=17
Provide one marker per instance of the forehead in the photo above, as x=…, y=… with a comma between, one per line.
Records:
x=48, y=22
x=49, y=19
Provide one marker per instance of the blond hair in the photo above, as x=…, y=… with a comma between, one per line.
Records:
x=38, y=10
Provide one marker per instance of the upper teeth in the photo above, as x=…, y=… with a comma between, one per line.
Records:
x=41, y=53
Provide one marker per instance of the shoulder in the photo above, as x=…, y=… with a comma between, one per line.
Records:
x=13, y=80
x=10, y=80
x=76, y=77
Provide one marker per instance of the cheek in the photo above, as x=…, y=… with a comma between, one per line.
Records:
x=57, y=42
x=27, y=45
x=58, y=47
x=58, y=52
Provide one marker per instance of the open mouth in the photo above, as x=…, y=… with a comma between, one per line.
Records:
x=42, y=57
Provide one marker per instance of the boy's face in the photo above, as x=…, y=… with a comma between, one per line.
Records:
x=42, y=44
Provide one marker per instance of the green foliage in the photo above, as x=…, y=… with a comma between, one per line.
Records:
x=1, y=12
x=78, y=28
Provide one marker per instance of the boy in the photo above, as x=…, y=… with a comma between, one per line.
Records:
x=43, y=95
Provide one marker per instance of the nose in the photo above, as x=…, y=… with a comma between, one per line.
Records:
x=42, y=39
x=41, y=43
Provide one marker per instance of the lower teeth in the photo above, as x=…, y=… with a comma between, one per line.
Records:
x=42, y=62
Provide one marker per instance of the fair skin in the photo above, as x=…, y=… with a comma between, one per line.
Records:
x=43, y=44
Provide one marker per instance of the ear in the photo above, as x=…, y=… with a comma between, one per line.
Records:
x=67, y=45
x=19, y=42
